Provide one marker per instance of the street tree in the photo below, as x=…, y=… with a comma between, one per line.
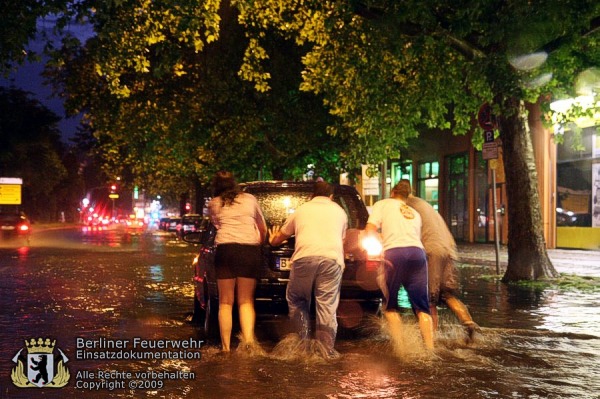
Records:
x=19, y=26
x=385, y=69
x=30, y=148
x=389, y=69
x=186, y=113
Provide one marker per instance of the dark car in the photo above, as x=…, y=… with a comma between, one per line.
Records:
x=163, y=223
x=191, y=223
x=14, y=226
x=174, y=225
x=360, y=295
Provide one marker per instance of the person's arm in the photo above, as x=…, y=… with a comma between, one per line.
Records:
x=260, y=223
x=213, y=210
x=371, y=229
x=276, y=236
x=374, y=221
x=262, y=229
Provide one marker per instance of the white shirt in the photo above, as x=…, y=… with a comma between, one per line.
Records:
x=399, y=223
x=237, y=223
x=320, y=227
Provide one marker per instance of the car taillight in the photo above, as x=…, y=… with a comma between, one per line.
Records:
x=374, y=249
x=372, y=245
x=23, y=227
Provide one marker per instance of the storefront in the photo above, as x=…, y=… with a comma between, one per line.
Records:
x=578, y=190
x=450, y=174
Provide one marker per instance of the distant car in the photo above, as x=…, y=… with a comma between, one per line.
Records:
x=14, y=226
x=174, y=225
x=136, y=225
x=163, y=223
x=359, y=290
x=191, y=223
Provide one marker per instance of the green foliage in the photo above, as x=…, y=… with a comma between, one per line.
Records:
x=189, y=114
x=565, y=282
x=30, y=148
x=390, y=69
x=18, y=26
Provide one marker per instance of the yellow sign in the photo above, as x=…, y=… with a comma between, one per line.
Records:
x=113, y=196
x=10, y=194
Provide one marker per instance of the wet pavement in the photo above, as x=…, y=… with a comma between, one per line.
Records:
x=568, y=261
x=93, y=289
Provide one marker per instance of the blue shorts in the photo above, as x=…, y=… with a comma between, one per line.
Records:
x=407, y=266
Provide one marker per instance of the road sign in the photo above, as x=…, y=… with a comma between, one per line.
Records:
x=485, y=117
x=10, y=194
x=490, y=150
x=113, y=196
x=11, y=180
x=488, y=136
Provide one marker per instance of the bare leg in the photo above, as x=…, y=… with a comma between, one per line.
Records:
x=226, y=298
x=459, y=309
x=434, y=316
x=245, y=295
x=426, y=326
x=463, y=315
x=394, y=322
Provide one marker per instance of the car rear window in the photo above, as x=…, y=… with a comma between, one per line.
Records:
x=278, y=203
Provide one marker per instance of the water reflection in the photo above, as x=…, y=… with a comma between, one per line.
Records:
x=533, y=344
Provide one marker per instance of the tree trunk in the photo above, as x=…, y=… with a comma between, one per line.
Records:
x=527, y=255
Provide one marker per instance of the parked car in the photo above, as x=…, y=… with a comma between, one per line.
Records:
x=14, y=226
x=191, y=223
x=163, y=223
x=174, y=225
x=278, y=199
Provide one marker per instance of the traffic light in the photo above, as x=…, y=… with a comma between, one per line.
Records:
x=113, y=188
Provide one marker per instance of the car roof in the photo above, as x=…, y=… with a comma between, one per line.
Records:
x=250, y=186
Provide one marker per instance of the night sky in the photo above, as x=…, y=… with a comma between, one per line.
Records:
x=28, y=77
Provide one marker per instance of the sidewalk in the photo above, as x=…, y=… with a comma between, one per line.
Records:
x=568, y=261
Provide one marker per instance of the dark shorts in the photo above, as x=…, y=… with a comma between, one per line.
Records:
x=407, y=267
x=443, y=279
x=238, y=260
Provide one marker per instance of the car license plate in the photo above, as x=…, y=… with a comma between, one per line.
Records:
x=285, y=264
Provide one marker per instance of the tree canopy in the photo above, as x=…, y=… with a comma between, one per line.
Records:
x=384, y=71
x=30, y=148
x=187, y=113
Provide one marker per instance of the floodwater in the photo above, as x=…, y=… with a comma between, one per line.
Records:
x=90, y=288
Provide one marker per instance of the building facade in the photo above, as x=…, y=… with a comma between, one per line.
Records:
x=454, y=178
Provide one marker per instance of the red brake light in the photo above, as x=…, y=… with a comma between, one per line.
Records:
x=23, y=227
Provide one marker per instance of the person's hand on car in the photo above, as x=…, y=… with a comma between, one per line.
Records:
x=273, y=232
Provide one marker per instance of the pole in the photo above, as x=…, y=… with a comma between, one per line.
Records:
x=496, y=231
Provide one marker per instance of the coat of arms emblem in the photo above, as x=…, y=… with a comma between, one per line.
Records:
x=41, y=368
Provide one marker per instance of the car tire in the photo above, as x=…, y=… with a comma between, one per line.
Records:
x=207, y=316
x=365, y=321
x=211, y=317
x=198, y=315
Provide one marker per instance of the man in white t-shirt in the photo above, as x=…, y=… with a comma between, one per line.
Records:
x=405, y=260
x=319, y=226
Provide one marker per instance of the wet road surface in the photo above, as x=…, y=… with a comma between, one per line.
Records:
x=87, y=289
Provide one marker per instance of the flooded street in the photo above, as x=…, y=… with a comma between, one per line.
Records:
x=84, y=290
